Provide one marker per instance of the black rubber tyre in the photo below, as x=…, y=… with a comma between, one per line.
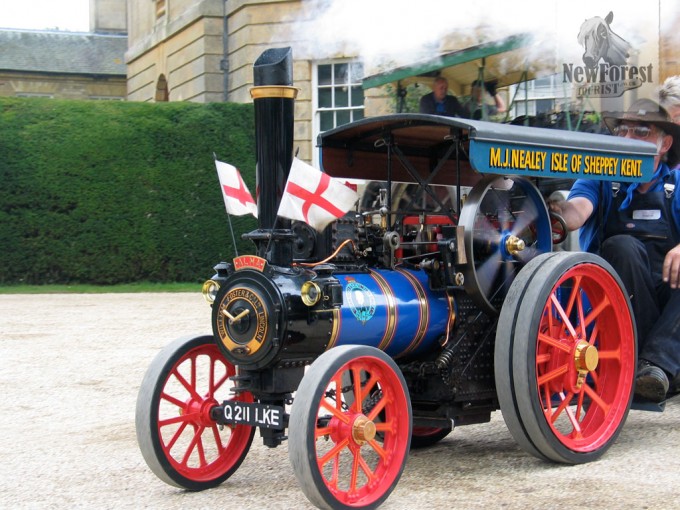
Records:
x=503, y=353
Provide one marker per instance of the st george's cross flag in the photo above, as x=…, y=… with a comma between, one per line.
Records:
x=237, y=198
x=314, y=197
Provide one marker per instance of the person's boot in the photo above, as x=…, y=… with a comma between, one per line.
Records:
x=651, y=382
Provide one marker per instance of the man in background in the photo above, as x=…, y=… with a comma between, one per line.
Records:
x=479, y=107
x=440, y=102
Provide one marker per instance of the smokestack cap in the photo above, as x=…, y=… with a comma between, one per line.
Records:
x=274, y=67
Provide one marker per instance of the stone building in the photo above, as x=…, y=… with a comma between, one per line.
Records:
x=178, y=51
x=68, y=65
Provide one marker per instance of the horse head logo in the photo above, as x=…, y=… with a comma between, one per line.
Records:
x=600, y=42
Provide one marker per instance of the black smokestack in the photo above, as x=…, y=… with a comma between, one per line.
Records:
x=274, y=99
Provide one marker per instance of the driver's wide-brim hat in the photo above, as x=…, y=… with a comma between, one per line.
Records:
x=649, y=112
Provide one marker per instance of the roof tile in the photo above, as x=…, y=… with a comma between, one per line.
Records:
x=62, y=52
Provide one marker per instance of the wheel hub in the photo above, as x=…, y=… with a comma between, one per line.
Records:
x=363, y=430
x=586, y=359
x=586, y=356
x=514, y=245
x=201, y=408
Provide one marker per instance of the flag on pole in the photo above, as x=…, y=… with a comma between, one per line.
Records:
x=314, y=197
x=237, y=198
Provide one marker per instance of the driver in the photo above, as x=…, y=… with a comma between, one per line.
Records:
x=638, y=233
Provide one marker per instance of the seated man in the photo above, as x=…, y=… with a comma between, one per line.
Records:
x=638, y=233
x=439, y=102
x=478, y=108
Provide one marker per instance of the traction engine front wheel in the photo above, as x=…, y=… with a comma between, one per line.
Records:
x=350, y=428
x=179, y=440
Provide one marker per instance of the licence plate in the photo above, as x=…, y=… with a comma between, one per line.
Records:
x=254, y=414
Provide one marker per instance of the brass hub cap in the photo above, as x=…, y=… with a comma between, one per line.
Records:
x=586, y=356
x=363, y=430
x=585, y=361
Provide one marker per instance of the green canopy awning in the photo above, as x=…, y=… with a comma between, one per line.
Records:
x=506, y=60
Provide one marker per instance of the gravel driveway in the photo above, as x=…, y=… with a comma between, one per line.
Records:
x=71, y=369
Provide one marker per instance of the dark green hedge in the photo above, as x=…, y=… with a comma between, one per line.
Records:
x=115, y=192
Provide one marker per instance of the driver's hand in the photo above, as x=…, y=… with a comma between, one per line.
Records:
x=556, y=206
x=671, y=268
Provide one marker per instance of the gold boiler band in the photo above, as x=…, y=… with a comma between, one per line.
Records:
x=335, y=333
x=424, y=311
x=274, y=91
x=390, y=308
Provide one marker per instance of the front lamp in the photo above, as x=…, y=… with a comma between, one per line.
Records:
x=310, y=293
x=209, y=290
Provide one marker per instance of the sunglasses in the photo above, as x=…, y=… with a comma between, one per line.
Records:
x=637, y=131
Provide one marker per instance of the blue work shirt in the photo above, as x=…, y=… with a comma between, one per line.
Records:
x=594, y=190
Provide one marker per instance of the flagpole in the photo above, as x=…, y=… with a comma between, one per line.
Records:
x=271, y=236
x=233, y=237
x=231, y=228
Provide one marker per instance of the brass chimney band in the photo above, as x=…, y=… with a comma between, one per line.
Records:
x=275, y=91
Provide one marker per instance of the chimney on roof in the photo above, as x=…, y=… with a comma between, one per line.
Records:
x=108, y=16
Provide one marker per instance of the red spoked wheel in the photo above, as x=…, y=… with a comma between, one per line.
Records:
x=180, y=442
x=424, y=437
x=350, y=428
x=565, y=357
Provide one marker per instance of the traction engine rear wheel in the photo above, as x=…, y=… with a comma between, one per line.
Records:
x=565, y=357
x=180, y=442
x=350, y=428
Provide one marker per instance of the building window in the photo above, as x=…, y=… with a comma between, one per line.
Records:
x=545, y=105
x=541, y=95
x=34, y=94
x=107, y=98
x=339, y=96
x=162, y=93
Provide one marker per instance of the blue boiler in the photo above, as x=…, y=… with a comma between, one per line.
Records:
x=393, y=310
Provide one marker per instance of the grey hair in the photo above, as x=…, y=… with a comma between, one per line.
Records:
x=669, y=93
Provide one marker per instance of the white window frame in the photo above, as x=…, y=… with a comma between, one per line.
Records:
x=316, y=111
x=554, y=91
x=106, y=98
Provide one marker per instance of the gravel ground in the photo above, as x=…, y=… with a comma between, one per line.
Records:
x=71, y=369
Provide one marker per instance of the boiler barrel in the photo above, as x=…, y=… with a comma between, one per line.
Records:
x=394, y=311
